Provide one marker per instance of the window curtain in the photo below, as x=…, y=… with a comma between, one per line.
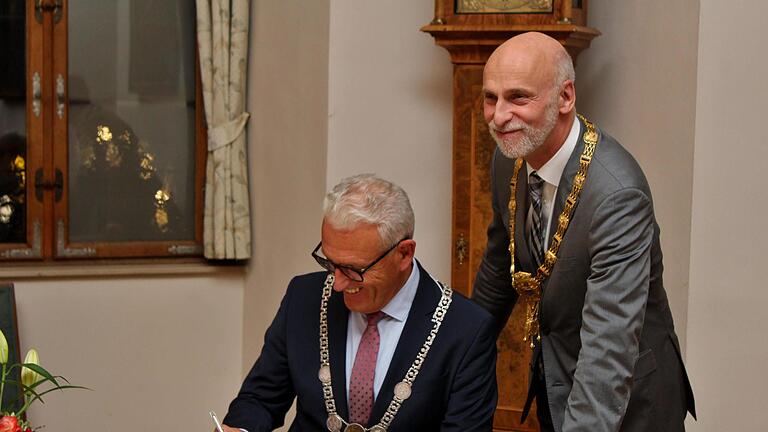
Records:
x=222, y=36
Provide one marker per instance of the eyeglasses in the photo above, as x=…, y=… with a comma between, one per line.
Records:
x=352, y=273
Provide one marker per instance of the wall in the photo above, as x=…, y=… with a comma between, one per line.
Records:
x=287, y=132
x=726, y=349
x=638, y=82
x=389, y=109
x=156, y=351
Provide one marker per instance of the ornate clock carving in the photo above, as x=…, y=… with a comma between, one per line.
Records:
x=504, y=6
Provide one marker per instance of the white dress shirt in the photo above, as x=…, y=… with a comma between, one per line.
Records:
x=551, y=172
x=390, y=329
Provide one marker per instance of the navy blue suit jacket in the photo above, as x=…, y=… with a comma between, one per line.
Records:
x=454, y=391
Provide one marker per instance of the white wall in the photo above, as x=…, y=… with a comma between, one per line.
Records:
x=727, y=352
x=287, y=132
x=638, y=82
x=158, y=351
x=287, y=99
x=389, y=109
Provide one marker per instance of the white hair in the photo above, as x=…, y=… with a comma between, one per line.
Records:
x=564, y=69
x=368, y=199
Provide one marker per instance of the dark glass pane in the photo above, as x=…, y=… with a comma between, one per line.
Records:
x=131, y=120
x=13, y=103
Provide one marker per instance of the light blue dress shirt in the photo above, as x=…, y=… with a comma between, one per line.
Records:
x=390, y=329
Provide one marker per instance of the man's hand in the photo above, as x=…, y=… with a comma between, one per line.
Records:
x=229, y=429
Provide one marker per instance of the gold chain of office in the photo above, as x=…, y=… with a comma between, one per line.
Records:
x=528, y=287
x=402, y=389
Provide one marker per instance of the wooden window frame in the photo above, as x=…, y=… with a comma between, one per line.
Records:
x=47, y=222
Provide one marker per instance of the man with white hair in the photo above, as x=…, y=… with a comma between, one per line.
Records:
x=372, y=343
x=574, y=241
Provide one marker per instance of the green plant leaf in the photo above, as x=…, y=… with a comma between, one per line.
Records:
x=41, y=370
x=29, y=390
x=62, y=388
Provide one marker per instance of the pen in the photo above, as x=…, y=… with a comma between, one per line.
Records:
x=216, y=421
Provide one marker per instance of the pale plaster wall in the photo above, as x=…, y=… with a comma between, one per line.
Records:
x=158, y=352
x=638, y=82
x=727, y=352
x=287, y=133
x=389, y=112
x=287, y=99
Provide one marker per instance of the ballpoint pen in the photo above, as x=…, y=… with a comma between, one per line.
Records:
x=216, y=421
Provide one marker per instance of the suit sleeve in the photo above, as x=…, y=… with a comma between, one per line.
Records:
x=473, y=397
x=620, y=240
x=492, y=289
x=267, y=392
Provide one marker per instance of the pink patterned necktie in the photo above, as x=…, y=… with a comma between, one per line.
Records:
x=361, y=380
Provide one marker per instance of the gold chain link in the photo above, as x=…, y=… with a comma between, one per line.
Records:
x=528, y=287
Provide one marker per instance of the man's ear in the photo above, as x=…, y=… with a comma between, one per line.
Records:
x=406, y=251
x=567, y=98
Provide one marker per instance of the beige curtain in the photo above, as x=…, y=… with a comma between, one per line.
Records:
x=222, y=35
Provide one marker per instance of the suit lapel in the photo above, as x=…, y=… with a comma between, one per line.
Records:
x=415, y=332
x=566, y=181
x=338, y=318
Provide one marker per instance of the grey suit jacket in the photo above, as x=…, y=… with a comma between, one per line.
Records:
x=611, y=356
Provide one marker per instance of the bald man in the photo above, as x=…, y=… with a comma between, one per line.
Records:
x=587, y=260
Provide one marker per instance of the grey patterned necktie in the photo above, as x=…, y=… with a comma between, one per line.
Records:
x=536, y=234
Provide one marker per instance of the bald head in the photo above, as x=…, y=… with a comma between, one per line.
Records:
x=529, y=97
x=538, y=53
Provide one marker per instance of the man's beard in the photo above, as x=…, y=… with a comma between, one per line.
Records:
x=532, y=138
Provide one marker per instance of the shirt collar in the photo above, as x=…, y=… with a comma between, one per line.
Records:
x=553, y=169
x=400, y=305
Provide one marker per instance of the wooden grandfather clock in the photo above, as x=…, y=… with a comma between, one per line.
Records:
x=470, y=30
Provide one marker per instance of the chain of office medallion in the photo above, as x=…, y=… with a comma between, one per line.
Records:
x=402, y=389
x=525, y=284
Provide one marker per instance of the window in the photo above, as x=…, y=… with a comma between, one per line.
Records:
x=102, y=151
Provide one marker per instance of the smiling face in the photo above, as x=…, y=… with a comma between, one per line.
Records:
x=528, y=112
x=518, y=104
x=357, y=248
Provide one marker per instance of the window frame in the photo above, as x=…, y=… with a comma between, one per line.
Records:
x=47, y=148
